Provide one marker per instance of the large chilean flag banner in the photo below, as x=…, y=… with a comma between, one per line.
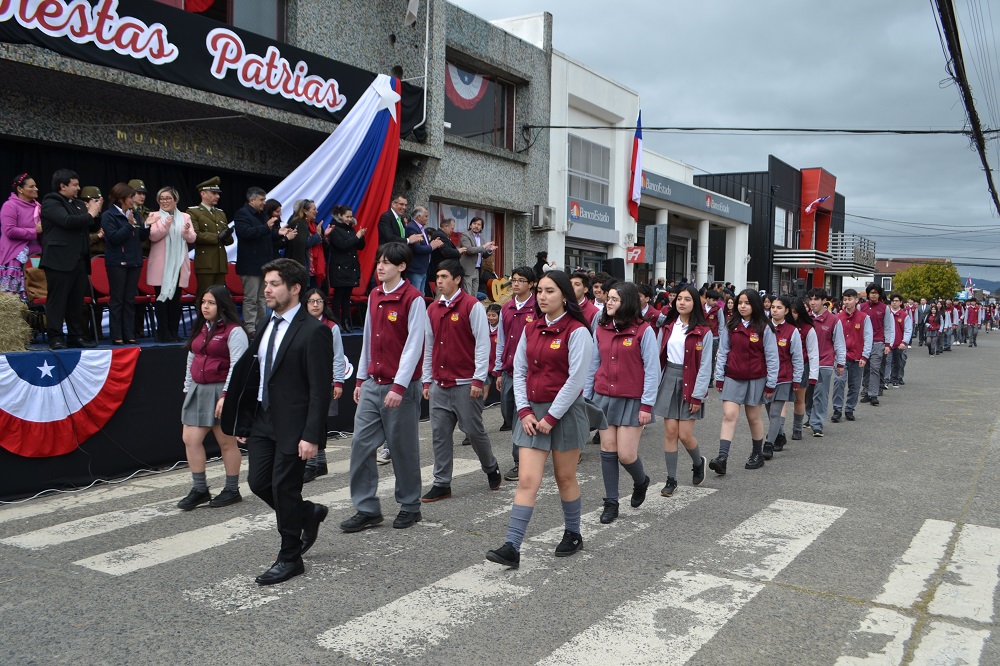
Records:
x=51, y=403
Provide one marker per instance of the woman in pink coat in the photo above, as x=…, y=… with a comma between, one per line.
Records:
x=169, y=269
x=20, y=230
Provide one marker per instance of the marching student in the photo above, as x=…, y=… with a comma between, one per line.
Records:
x=832, y=355
x=932, y=324
x=810, y=370
x=746, y=373
x=514, y=316
x=710, y=303
x=949, y=323
x=317, y=307
x=581, y=283
x=789, y=342
x=857, y=327
x=388, y=392
x=883, y=330
x=686, y=344
x=901, y=339
x=456, y=365
x=622, y=379
x=550, y=372
x=649, y=313
x=729, y=311
x=971, y=320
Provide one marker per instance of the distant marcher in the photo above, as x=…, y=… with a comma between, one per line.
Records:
x=316, y=306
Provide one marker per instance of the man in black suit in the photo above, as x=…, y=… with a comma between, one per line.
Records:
x=257, y=239
x=277, y=403
x=66, y=224
x=447, y=249
x=922, y=311
x=392, y=224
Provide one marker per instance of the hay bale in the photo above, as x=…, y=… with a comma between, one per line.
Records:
x=15, y=333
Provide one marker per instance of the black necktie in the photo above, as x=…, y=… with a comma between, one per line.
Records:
x=265, y=399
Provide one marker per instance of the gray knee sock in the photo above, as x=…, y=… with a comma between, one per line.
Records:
x=199, y=482
x=724, y=445
x=797, y=422
x=233, y=482
x=609, y=470
x=781, y=426
x=635, y=469
x=671, y=457
x=695, y=454
x=571, y=514
x=520, y=516
x=773, y=423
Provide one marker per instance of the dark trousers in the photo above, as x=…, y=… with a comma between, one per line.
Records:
x=276, y=478
x=65, y=302
x=168, y=316
x=342, y=306
x=123, y=283
x=206, y=280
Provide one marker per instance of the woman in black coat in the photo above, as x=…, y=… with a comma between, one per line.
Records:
x=123, y=258
x=343, y=269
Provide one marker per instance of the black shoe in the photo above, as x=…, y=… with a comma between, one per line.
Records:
x=698, y=472
x=570, y=544
x=817, y=433
x=505, y=427
x=437, y=493
x=312, y=471
x=873, y=402
x=836, y=417
x=225, y=498
x=193, y=499
x=779, y=442
x=849, y=416
x=280, y=572
x=406, y=519
x=669, y=487
x=768, y=451
x=755, y=461
x=506, y=555
x=796, y=435
x=512, y=475
x=310, y=529
x=895, y=385
x=902, y=383
x=718, y=465
x=597, y=438
x=864, y=398
x=639, y=493
x=57, y=344
x=82, y=344
x=361, y=521
x=494, y=478
x=466, y=441
x=610, y=511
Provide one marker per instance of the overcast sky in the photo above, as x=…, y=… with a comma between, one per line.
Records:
x=786, y=63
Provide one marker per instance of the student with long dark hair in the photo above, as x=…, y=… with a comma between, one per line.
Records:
x=550, y=372
x=803, y=321
x=789, y=342
x=686, y=344
x=622, y=380
x=932, y=324
x=217, y=341
x=317, y=307
x=746, y=373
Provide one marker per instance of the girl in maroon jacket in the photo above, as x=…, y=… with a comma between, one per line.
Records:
x=790, y=367
x=217, y=341
x=686, y=358
x=933, y=325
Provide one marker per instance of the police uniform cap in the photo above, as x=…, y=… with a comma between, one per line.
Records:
x=90, y=192
x=212, y=184
x=137, y=185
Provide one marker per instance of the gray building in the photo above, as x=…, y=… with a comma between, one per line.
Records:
x=114, y=113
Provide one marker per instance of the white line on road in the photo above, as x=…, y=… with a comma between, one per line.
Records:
x=950, y=644
x=671, y=622
x=880, y=622
x=910, y=575
x=967, y=589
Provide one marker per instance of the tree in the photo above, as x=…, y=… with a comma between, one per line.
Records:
x=928, y=281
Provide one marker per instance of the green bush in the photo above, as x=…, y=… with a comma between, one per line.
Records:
x=15, y=333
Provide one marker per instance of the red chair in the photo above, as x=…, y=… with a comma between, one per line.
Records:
x=145, y=299
x=234, y=284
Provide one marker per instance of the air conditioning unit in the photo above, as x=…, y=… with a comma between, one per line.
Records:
x=543, y=218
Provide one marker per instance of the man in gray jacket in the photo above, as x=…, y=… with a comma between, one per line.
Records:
x=475, y=249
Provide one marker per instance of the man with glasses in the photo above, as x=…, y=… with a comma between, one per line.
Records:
x=211, y=262
x=392, y=223
x=514, y=316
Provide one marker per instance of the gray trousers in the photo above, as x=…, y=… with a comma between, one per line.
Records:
x=849, y=382
x=449, y=406
x=374, y=424
x=821, y=399
x=971, y=333
x=254, y=305
x=898, y=364
x=508, y=407
x=873, y=369
x=470, y=283
x=946, y=338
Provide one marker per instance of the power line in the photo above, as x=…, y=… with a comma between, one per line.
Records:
x=768, y=130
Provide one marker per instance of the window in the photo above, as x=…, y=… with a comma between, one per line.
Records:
x=790, y=236
x=886, y=285
x=589, y=170
x=262, y=17
x=479, y=107
x=779, y=226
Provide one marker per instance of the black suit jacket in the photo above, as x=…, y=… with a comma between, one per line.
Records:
x=65, y=232
x=299, y=391
x=446, y=251
x=257, y=242
x=388, y=229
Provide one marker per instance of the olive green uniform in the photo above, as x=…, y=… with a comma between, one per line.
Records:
x=210, y=261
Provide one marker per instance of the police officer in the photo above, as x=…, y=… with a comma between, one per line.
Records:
x=96, y=238
x=210, y=260
x=139, y=214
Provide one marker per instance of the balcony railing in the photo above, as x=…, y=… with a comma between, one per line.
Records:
x=851, y=254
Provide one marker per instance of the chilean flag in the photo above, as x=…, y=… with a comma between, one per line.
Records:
x=635, y=181
x=815, y=204
x=51, y=403
x=354, y=167
x=464, y=89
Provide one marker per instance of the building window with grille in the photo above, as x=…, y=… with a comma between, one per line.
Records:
x=478, y=107
x=589, y=170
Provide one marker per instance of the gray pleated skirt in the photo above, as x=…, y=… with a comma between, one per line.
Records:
x=804, y=380
x=572, y=431
x=783, y=392
x=619, y=411
x=670, y=396
x=749, y=392
x=199, y=405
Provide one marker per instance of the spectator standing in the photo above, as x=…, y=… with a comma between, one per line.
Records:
x=392, y=223
x=447, y=250
x=422, y=247
x=346, y=240
x=257, y=237
x=168, y=271
x=475, y=251
x=20, y=231
x=213, y=234
x=123, y=258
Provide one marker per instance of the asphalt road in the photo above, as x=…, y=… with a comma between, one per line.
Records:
x=878, y=544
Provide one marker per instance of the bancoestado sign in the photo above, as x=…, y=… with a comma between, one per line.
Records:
x=168, y=44
x=588, y=212
x=668, y=189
